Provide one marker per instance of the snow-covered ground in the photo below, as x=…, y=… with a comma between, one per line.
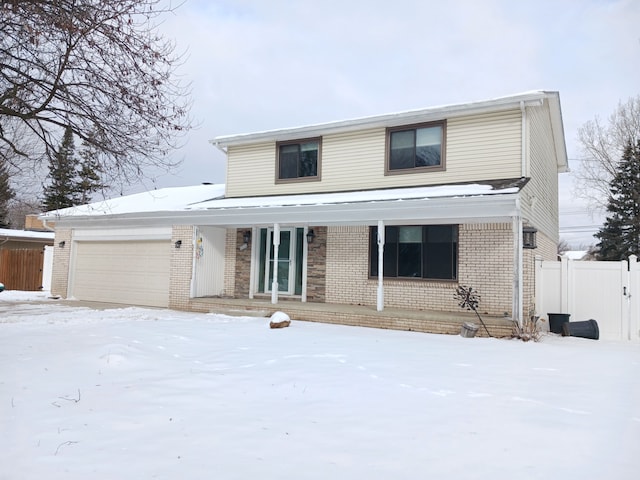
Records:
x=139, y=394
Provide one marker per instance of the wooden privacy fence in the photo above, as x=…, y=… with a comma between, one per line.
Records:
x=608, y=292
x=21, y=269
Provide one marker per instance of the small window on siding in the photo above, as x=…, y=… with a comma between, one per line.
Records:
x=298, y=160
x=415, y=148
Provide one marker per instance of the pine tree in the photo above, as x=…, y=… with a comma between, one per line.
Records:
x=62, y=190
x=620, y=235
x=89, y=180
x=6, y=194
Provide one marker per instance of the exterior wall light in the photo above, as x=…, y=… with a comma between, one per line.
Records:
x=246, y=236
x=62, y=244
x=311, y=235
x=178, y=243
x=529, y=238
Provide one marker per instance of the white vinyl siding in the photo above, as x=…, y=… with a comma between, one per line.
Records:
x=127, y=272
x=540, y=195
x=479, y=147
x=251, y=170
x=486, y=147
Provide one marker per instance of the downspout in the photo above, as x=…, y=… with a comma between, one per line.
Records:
x=517, y=265
x=380, y=301
x=518, y=288
x=523, y=140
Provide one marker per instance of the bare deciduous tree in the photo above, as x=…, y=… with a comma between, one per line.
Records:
x=602, y=145
x=98, y=67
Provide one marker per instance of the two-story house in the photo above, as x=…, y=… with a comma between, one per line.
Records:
x=388, y=211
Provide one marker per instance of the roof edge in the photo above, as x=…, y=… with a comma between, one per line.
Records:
x=386, y=120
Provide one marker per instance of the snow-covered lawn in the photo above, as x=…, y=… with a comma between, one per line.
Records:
x=139, y=394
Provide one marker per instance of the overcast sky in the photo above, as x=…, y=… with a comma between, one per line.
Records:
x=266, y=64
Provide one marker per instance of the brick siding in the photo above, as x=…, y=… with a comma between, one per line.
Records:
x=61, y=258
x=230, y=262
x=485, y=254
x=242, y=265
x=181, y=265
x=316, y=266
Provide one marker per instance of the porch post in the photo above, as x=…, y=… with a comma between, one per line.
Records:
x=276, y=245
x=252, y=269
x=380, y=303
x=305, y=252
x=517, y=269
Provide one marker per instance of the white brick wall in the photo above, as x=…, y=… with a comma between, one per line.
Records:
x=61, y=258
x=181, y=267
x=485, y=263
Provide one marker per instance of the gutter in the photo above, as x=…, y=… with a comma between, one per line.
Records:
x=523, y=140
x=463, y=209
x=382, y=121
x=46, y=225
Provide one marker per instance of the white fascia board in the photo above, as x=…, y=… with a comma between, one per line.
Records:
x=121, y=234
x=472, y=209
x=387, y=120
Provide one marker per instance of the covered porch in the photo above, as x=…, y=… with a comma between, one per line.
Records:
x=268, y=228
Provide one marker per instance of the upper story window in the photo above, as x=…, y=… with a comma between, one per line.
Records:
x=415, y=148
x=298, y=160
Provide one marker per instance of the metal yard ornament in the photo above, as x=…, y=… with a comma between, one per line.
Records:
x=469, y=299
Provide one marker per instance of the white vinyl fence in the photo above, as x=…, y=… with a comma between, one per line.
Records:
x=608, y=292
x=47, y=268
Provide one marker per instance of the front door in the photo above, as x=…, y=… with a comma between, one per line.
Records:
x=286, y=262
x=289, y=261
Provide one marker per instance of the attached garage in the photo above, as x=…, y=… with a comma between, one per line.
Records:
x=132, y=272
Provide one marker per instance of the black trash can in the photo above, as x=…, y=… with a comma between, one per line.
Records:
x=556, y=320
x=586, y=329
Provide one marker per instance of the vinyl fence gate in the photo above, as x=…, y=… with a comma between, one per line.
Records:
x=608, y=292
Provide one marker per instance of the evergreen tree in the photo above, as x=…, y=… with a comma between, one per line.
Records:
x=89, y=174
x=6, y=194
x=62, y=190
x=620, y=235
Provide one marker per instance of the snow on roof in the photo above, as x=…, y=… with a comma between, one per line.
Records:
x=388, y=119
x=161, y=200
x=393, y=194
x=25, y=234
x=202, y=198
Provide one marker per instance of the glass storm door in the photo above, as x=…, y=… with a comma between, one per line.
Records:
x=286, y=264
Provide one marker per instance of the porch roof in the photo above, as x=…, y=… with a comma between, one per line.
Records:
x=25, y=235
x=460, y=203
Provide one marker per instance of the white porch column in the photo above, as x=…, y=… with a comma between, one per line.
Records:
x=254, y=261
x=380, y=303
x=276, y=245
x=305, y=253
x=517, y=269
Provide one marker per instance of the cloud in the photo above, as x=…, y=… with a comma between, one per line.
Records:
x=259, y=65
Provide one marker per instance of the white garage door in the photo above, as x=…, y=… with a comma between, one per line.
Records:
x=131, y=272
